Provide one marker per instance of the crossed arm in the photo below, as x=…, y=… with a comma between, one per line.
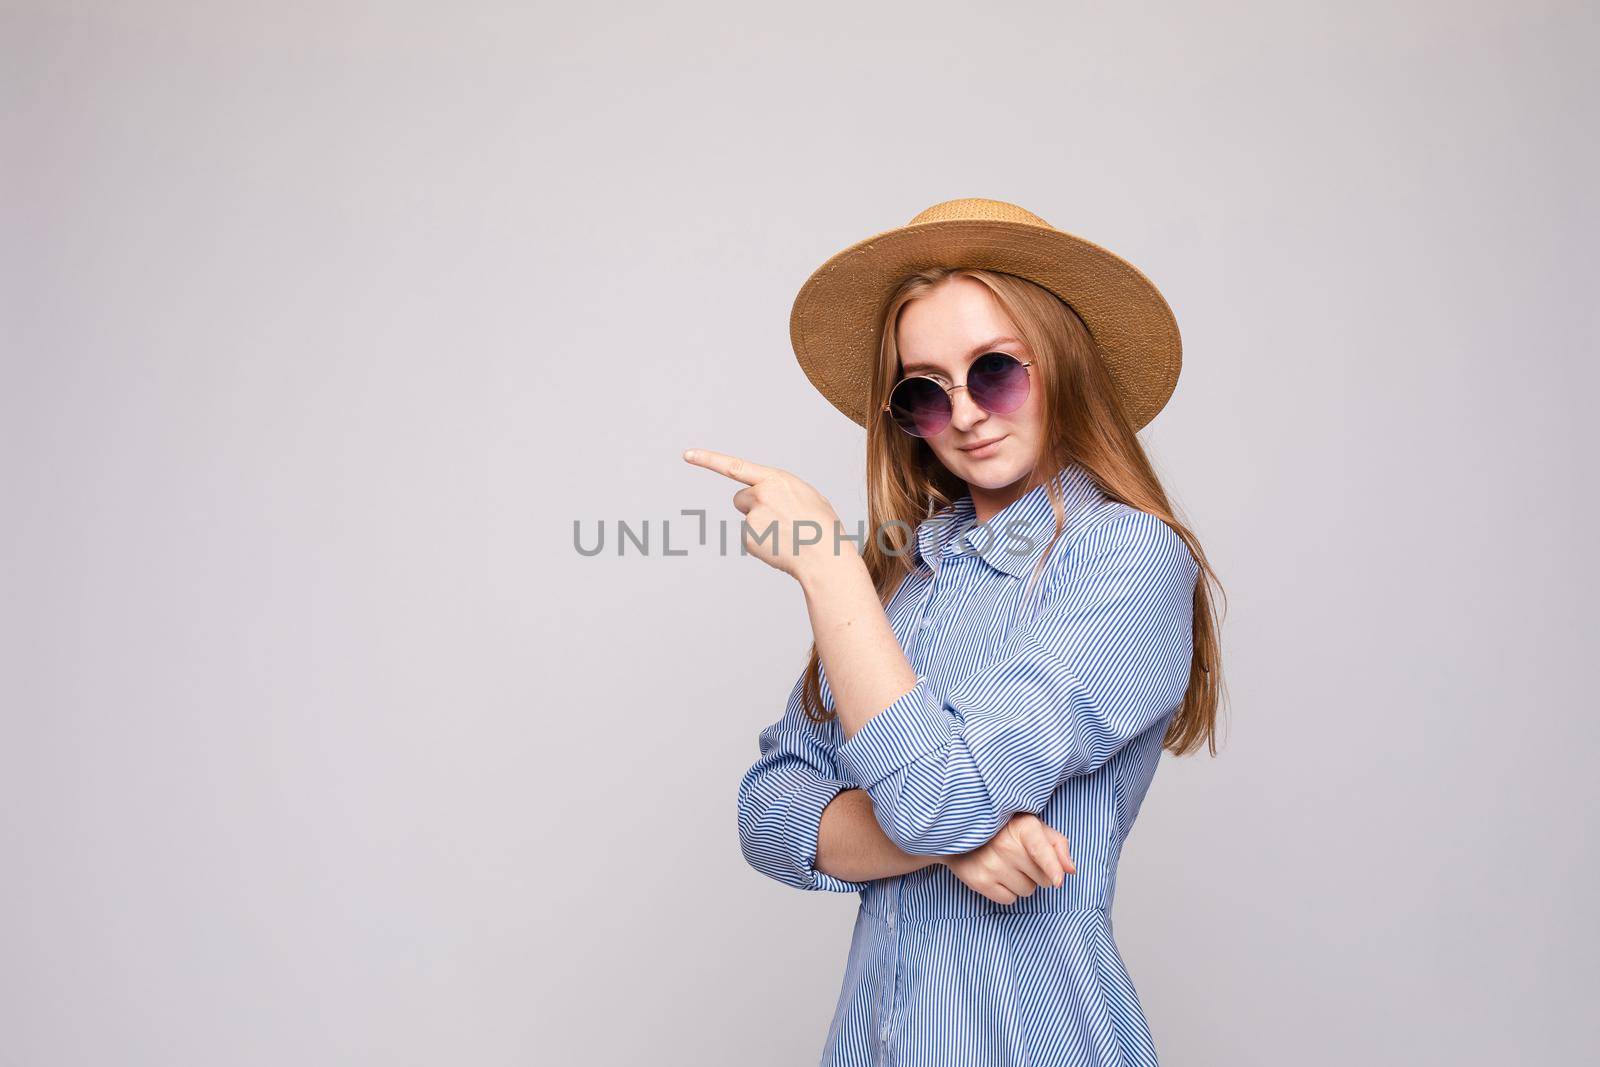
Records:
x=851, y=846
x=1109, y=658
x=802, y=823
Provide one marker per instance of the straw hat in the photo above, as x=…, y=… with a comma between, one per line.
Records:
x=837, y=316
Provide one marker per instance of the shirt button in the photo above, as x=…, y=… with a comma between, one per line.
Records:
x=883, y=1031
x=891, y=922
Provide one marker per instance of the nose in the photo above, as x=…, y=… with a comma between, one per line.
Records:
x=964, y=411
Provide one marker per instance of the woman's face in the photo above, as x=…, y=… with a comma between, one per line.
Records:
x=941, y=334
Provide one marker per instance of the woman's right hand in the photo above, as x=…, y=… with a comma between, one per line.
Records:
x=1027, y=853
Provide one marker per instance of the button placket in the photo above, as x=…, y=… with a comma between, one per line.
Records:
x=924, y=619
x=896, y=907
x=893, y=907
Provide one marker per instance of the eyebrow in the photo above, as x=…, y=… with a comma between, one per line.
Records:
x=912, y=368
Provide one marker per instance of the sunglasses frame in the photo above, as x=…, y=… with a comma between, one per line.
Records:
x=950, y=389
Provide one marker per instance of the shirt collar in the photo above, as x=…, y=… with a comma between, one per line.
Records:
x=1028, y=521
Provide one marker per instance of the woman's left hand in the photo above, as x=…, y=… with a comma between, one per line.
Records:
x=792, y=509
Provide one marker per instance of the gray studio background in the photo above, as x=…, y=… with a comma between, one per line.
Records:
x=323, y=323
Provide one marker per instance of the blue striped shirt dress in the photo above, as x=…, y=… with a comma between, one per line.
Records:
x=1054, y=703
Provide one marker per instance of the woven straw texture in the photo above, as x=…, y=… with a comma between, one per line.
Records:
x=835, y=323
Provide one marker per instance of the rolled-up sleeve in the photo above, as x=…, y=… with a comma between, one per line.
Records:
x=1107, y=658
x=781, y=799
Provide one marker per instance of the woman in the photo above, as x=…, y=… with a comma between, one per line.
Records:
x=993, y=682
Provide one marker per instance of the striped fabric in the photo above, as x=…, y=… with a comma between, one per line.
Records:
x=1054, y=703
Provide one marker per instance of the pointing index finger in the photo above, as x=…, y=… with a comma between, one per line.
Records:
x=740, y=470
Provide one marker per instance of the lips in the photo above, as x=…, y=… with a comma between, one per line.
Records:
x=981, y=444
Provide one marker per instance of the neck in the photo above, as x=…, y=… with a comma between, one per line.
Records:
x=987, y=503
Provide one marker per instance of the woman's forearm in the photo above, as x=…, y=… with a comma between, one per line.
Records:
x=852, y=846
x=867, y=668
x=867, y=671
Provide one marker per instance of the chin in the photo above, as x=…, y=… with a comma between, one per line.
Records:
x=989, y=475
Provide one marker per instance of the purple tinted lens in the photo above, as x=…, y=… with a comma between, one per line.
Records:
x=998, y=382
x=920, y=406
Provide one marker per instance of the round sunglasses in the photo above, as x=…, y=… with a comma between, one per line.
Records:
x=996, y=381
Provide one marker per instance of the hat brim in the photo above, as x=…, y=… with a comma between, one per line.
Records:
x=837, y=316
